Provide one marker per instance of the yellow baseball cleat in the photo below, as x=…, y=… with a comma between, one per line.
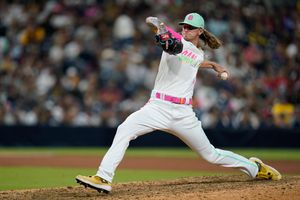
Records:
x=265, y=171
x=94, y=182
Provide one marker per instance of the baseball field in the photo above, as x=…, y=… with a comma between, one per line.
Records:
x=168, y=173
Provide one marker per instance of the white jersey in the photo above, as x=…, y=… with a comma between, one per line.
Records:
x=177, y=73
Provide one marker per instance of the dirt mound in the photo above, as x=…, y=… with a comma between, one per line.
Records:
x=234, y=187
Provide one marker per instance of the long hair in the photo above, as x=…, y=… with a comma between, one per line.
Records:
x=210, y=39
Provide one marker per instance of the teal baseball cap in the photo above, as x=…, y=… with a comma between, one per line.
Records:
x=193, y=19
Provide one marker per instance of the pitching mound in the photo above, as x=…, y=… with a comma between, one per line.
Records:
x=234, y=187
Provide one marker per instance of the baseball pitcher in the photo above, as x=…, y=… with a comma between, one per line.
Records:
x=170, y=105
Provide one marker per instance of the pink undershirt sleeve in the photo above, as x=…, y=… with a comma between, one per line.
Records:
x=174, y=33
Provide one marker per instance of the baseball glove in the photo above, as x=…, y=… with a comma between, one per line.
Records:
x=168, y=43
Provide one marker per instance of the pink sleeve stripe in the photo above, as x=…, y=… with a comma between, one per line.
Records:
x=174, y=33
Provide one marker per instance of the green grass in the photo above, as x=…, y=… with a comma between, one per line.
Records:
x=12, y=178
x=263, y=153
x=41, y=177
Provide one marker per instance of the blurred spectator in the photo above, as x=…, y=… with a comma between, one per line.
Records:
x=246, y=120
x=123, y=31
x=283, y=114
x=91, y=63
x=224, y=120
x=210, y=119
x=32, y=34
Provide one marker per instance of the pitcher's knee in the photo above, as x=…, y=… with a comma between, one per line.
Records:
x=121, y=128
x=211, y=156
x=124, y=132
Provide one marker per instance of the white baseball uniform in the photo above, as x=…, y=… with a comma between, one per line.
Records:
x=169, y=110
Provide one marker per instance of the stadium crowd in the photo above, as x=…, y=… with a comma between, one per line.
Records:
x=91, y=63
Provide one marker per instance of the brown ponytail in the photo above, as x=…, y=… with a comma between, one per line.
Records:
x=209, y=38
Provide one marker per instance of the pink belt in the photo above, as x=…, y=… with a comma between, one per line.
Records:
x=177, y=100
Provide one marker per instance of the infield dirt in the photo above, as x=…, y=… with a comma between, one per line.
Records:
x=234, y=187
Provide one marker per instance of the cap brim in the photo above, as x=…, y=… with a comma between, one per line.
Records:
x=182, y=23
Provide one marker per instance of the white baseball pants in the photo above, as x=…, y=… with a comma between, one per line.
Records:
x=179, y=120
